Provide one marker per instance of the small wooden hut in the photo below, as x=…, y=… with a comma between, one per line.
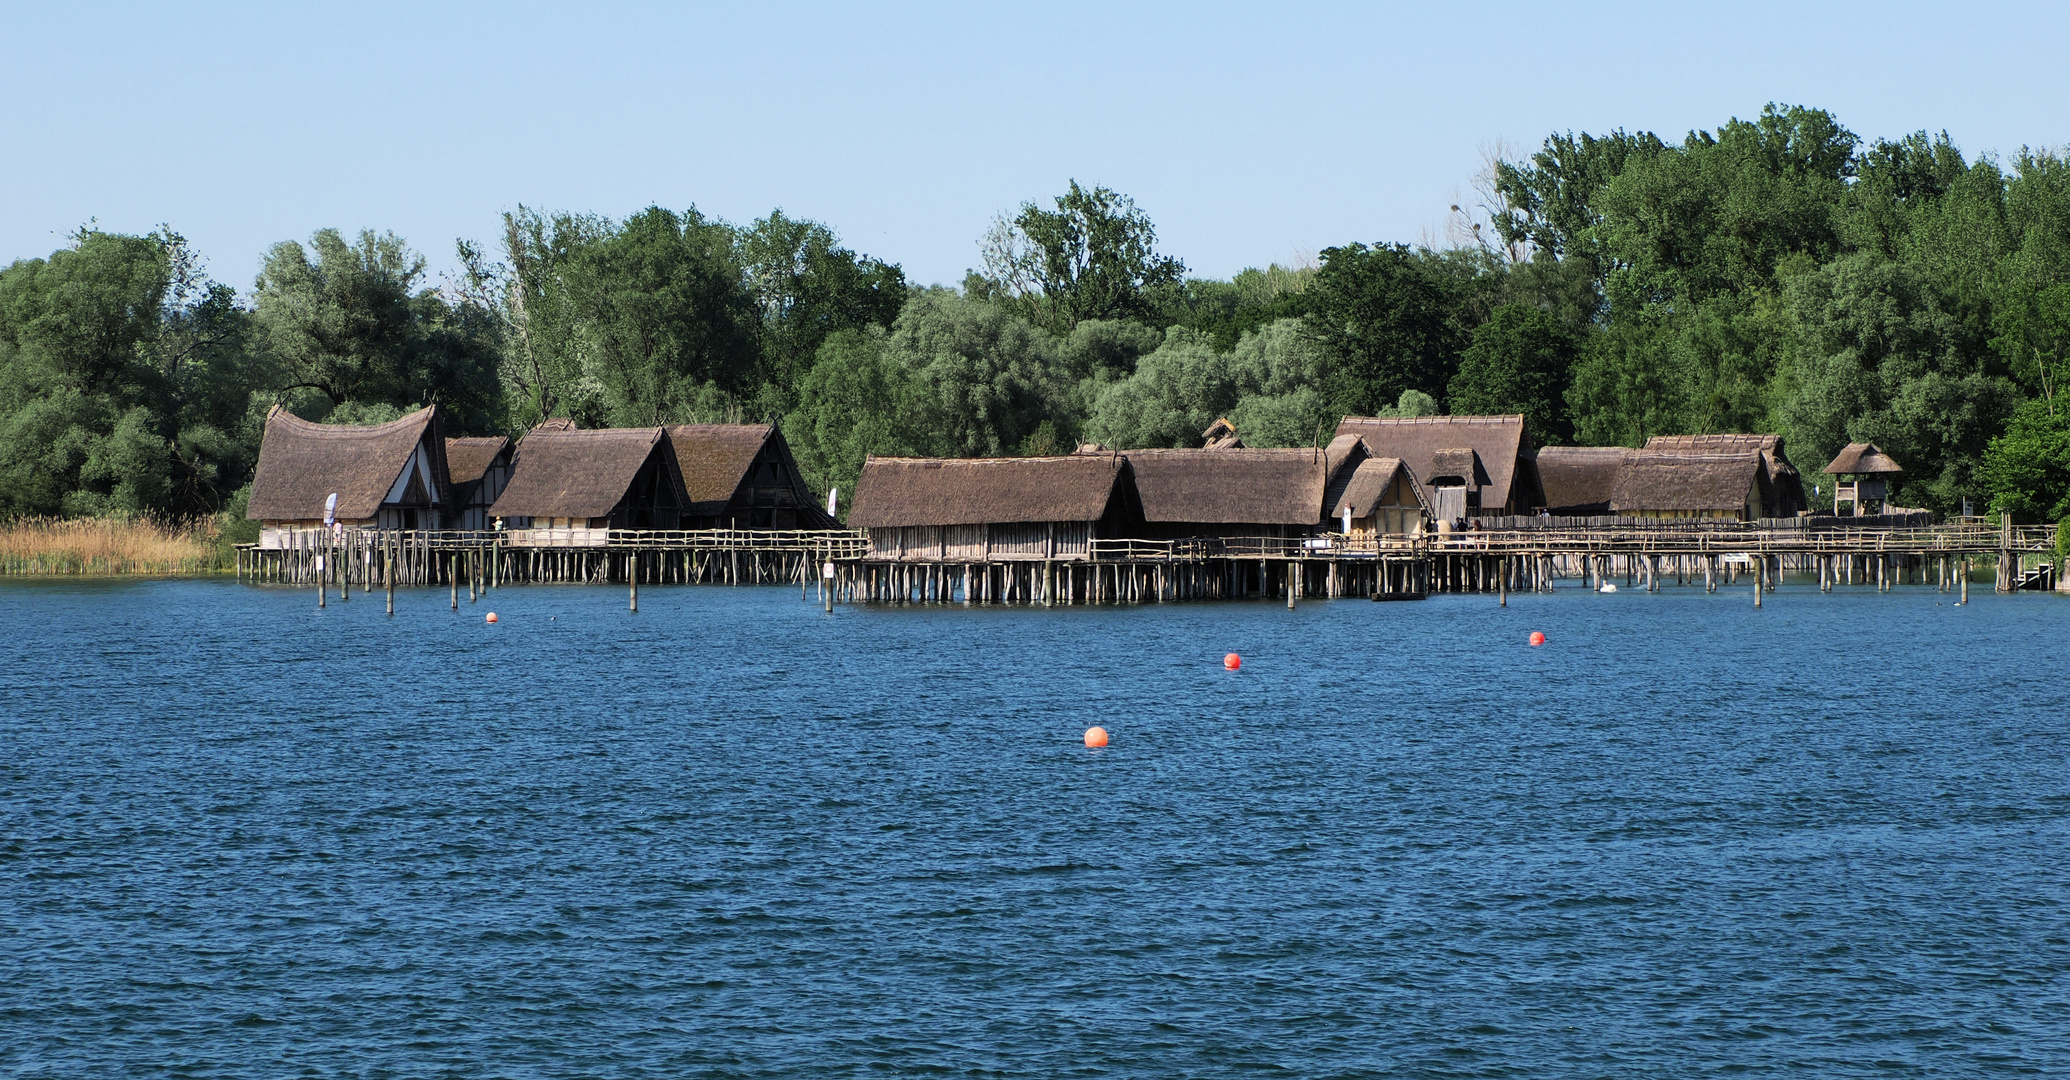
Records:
x=1782, y=488
x=742, y=476
x=478, y=468
x=1237, y=491
x=1471, y=466
x=1577, y=480
x=1862, y=474
x=386, y=476
x=991, y=509
x=568, y=488
x=1382, y=500
x=1676, y=484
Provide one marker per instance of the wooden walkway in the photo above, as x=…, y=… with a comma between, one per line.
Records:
x=841, y=563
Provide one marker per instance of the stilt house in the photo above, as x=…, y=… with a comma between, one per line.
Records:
x=1685, y=485
x=742, y=476
x=991, y=509
x=1237, y=491
x=479, y=469
x=1471, y=466
x=1782, y=488
x=1577, y=480
x=1382, y=500
x=569, y=488
x=1863, y=474
x=386, y=476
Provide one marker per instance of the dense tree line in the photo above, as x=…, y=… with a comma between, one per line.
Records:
x=1775, y=274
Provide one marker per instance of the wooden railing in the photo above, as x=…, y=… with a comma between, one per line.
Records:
x=834, y=543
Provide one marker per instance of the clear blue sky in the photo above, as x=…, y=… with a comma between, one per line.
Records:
x=1250, y=133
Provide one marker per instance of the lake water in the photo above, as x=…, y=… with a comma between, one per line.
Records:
x=734, y=836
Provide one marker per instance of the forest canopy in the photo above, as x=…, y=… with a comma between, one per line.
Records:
x=1778, y=274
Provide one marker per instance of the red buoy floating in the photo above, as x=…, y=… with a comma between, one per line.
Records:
x=1232, y=661
x=1095, y=736
x=491, y=618
x=1537, y=638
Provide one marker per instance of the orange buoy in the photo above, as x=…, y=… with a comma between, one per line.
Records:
x=1537, y=638
x=492, y=617
x=1095, y=736
x=1232, y=661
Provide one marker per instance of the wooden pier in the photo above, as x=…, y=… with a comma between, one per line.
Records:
x=371, y=558
x=846, y=570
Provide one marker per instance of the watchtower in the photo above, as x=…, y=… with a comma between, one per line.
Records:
x=1862, y=474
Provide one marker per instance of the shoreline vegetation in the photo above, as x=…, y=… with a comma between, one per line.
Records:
x=114, y=547
x=1778, y=274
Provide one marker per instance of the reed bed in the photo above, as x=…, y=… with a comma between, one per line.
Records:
x=94, y=546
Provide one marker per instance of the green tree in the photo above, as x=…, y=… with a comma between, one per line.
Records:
x=1878, y=358
x=670, y=329
x=806, y=286
x=347, y=321
x=1519, y=362
x=123, y=381
x=984, y=380
x=1385, y=320
x=852, y=403
x=2026, y=471
x=1093, y=257
x=1173, y=395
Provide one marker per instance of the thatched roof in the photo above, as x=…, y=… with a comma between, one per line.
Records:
x=1864, y=458
x=1769, y=446
x=467, y=459
x=558, y=423
x=1345, y=450
x=1651, y=480
x=302, y=463
x=1247, y=485
x=715, y=458
x=893, y=492
x=1578, y=476
x=572, y=473
x=1714, y=444
x=1370, y=481
x=1497, y=440
x=1221, y=435
x=1460, y=462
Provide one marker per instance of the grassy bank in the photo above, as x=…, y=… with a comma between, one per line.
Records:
x=39, y=546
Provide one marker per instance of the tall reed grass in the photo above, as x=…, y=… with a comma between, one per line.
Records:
x=82, y=546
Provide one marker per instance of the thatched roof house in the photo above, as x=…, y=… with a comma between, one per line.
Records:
x=1577, y=480
x=974, y=509
x=1672, y=484
x=1239, y=491
x=591, y=481
x=743, y=476
x=1864, y=459
x=1381, y=497
x=1474, y=465
x=478, y=468
x=1782, y=488
x=388, y=476
x=1863, y=474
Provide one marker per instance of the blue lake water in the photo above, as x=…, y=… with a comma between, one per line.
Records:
x=734, y=836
